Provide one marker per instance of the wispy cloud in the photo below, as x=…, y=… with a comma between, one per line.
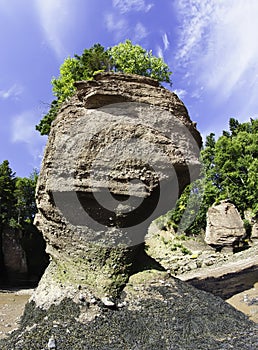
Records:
x=219, y=42
x=165, y=41
x=195, y=17
x=54, y=19
x=13, y=92
x=125, y=6
x=181, y=93
x=121, y=28
x=159, y=52
x=118, y=26
x=23, y=130
x=140, y=32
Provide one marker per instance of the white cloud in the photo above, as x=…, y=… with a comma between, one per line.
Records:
x=54, y=18
x=13, y=92
x=195, y=15
x=159, y=52
x=23, y=130
x=165, y=41
x=119, y=27
x=125, y=6
x=181, y=93
x=140, y=32
x=218, y=44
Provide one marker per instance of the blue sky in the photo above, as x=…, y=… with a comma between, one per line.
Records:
x=210, y=45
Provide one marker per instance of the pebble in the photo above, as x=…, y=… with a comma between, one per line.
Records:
x=246, y=298
x=93, y=301
x=51, y=343
x=82, y=298
x=107, y=302
x=121, y=304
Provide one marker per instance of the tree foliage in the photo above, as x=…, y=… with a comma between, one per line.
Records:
x=25, y=198
x=7, y=187
x=124, y=57
x=17, y=197
x=129, y=58
x=230, y=167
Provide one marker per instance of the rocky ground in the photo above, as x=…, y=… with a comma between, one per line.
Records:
x=157, y=312
x=231, y=276
x=181, y=254
x=234, y=277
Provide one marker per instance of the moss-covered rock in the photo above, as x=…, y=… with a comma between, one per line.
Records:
x=155, y=312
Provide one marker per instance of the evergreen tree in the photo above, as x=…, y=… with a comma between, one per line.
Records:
x=7, y=198
x=25, y=199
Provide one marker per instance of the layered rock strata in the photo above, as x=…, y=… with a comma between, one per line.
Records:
x=119, y=154
x=224, y=227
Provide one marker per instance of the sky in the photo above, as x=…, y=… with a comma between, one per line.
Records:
x=210, y=45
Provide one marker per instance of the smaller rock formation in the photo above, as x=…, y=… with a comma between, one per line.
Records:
x=224, y=225
x=22, y=256
x=14, y=257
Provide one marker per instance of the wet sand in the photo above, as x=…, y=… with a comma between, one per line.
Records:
x=12, y=304
x=247, y=302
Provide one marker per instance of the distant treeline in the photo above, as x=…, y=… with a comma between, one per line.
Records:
x=17, y=198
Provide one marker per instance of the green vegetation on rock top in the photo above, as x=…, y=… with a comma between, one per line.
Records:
x=124, y=57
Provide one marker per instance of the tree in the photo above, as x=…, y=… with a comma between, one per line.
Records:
x=236, y=164
x=7, y=198
x=129, y=58
x=17, y=197
x=124, y=57
x=230, y=167
x=25, y=199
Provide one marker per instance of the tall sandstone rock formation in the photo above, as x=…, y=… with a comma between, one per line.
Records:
x=119, y=154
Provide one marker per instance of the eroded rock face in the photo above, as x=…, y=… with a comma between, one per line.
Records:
x=224, y=225
x=14, y=257
x=119, y=155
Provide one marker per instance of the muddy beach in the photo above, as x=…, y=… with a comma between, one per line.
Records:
x=12, y=303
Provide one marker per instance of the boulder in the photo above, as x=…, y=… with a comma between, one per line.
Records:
x=224, y=225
